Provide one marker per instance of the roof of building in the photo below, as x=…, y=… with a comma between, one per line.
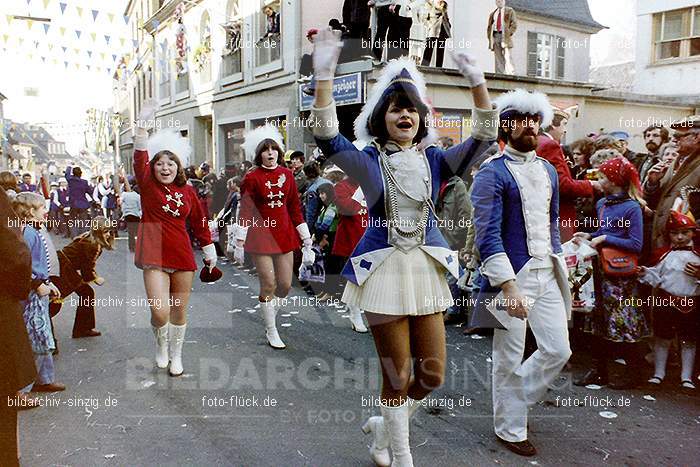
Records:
x=618, y=77
x=571, y=11
x=31, y=135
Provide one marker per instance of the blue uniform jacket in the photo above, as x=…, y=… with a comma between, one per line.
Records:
x=499, y=223
x=364, y=167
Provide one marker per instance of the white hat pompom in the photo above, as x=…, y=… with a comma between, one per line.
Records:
x=258, y=135
x=171, y=140
x=524, y=102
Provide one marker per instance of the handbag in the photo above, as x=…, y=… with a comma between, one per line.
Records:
x=617, y=262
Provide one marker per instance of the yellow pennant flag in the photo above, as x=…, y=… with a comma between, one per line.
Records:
x=6, y=37
x=94, y=36
x=77, y=51
x=77, y=66
x=80, y=11
x=46, y=4
x=9, y=19
x=55, y=62
x=31, y=55
x=63, y=31
x=111, y=17
x=102, y=55
x=30, y=23
x=121, y=41
x=50, y=47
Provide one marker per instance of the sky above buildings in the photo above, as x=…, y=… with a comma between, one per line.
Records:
x=54, y=72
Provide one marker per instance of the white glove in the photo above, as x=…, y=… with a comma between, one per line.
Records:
x=209, y=255
x=308, y=256
x=468, y=67
x=146, y=118
x=304, y=234
x=239, y=254
x=327, y=46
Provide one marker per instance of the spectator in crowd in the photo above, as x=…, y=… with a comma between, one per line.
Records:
x=79, y=199
x=618, y=322
x=296, y=165
x=356, y=17
x=131, y=210
x=501, y=27
x=220, y=190
x=324, y=236
x=8, y=183
x=676, y=315
x=18, y=369
x=418, y=33
x=570, y=189
x=27, y=184
x=272, y=23
x=654, y=137
x=31, y=209
x=669, y=152
x=665, y=182
x=385, y=23
x=312, y=205
x=623, y=138
x=398, y=34
x=454, y=209
x=439, y=29
x=61, y=200
x=581, y=152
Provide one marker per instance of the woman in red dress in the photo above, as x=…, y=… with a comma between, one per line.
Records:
x=163, y=248
x=270, y=223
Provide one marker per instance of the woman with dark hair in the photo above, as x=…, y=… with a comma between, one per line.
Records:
x=8, y=183
x=270, y=223
x=325, y=228
x=581, y=152
x=397, y=272
x=163, y=248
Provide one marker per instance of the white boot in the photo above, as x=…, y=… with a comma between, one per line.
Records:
x=379, y=450
x=177, y=338
x=396, y=419
x=273, y=337
x=161, y=334
x=356, y=319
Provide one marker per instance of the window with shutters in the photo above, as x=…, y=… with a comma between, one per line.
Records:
x=676, y=34
x=546, y=55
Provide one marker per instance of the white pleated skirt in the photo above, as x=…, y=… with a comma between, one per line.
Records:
x=405, y=284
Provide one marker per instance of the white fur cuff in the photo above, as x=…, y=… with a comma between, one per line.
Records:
x=484, y=124
x=140, y=139
x=325, y=121
x=498, y=269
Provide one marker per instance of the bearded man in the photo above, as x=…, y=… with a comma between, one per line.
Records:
x=515, y=199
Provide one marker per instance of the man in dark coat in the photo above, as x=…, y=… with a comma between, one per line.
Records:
x=16, y=357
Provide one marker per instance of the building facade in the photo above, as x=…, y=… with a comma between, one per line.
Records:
x=668, y=47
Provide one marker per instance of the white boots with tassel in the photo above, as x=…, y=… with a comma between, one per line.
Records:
x=391, y=429
x=169, y=341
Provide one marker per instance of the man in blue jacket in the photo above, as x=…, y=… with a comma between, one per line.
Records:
x=79, y=192
x=515, y=198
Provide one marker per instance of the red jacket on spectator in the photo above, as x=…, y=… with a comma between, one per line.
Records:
x=353, y=218
x=569, y=187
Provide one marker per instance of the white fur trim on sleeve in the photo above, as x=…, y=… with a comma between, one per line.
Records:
x=303, y=231
x=485, y=124
x=497, y=269
x=325, y=121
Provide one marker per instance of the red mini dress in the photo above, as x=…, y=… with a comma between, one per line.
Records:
x=163, y=241
x=271, y=210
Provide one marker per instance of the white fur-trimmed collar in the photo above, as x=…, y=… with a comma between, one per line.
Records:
x=390, y=71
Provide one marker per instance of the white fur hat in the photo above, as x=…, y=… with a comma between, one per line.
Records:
x=171, y=140
x=523, y=102
x=258, y=135
x=391, y=71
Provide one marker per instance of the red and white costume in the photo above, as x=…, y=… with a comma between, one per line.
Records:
x=353, y=217
x=270, y=210
x=163, y=241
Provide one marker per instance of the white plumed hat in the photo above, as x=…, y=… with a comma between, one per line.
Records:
x=258, y=135
x=171, y=140
x=401, y=70
x=523, y=102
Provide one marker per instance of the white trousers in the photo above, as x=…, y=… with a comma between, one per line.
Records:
x=516, y=384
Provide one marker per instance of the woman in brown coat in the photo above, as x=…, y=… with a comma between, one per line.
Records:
x=16, y=357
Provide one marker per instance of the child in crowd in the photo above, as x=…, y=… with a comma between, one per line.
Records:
x=675, y=298
x=325, y=228
x=77, y=260
x=617, y=319
x=131, y=209
x=31, y=210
